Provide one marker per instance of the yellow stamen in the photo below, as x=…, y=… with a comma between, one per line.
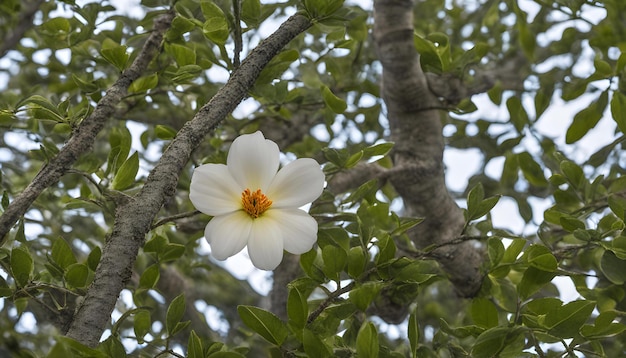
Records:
x=255, y=203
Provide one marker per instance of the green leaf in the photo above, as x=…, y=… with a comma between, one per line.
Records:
x=142, y=322
x=413, y=333
x=175, y=313
x=194, y=346
x=297, y=307
x=492, y=341
x=164, y=132
x=251, y=12
x=76, y=275
x=603, y=327
x=264, y=323
x=541, y=257
x=125, y=176
x=378, y=149
x=112, y=347
x=42, y=103
x=215, y=27
x=150, y=277
x=277, y=66
x=183, y=55
x=618, y=110
x=94, y=258
x=367, y=341
x=566, y=321
x=484, y=313
x=429, y=56
x=62, y=253
x=21, y=266
x=517, y=112
x=336, y=104
x=314, y=346
x=613, y=268
x=586, y=119
x=356, y=261
x=533, y=280
x=364, y=294
x=115, y=55
x=171, y=252
x=532, y=170
x=144, y=83
x=72, y=348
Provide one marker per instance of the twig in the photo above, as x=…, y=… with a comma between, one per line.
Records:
x=237, y=34
x=168, y=219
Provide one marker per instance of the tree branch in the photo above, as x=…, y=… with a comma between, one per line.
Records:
x=83, y=138
x=134, y=218
x=417, y=131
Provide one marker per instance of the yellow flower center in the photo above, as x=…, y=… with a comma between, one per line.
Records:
x=255, y=203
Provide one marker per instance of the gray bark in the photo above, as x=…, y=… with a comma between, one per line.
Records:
x=416, y=129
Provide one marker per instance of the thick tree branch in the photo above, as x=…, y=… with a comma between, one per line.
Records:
x=417, y=131
x=134, y=218
x=23, y=23
x=83, y=138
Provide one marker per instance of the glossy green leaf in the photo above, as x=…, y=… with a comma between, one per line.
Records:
x=314, y=346
x=518, y=114
x=618, y=110
x=364, y=294
x=586, y=119
x=150, y=277
x=113, y=347
x=603, y=327
x=566, y=321
x=126, y=174
x=429, y=56
x=215, y=27
x=164, y=132
x=194, y=346
x=492, y=341
x=356, y=261
x=297, y=307
x=413, y=333
x=22, y=266
x=533, y=280
x=62, y=253
x=142, y=322
x=94, y=258
x=183, y=55
x=144, y=83
x=265, y=323
x=115, y=55
x=174, y=314
x=336, y=104
x=484, y=313
x=251, y=12
x=367, y=341
x=76, y=275
x=532, y=170
x=613, y=268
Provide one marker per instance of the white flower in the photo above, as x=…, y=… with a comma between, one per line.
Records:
x=255, y=204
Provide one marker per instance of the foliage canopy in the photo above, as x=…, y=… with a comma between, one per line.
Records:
x=105, y=112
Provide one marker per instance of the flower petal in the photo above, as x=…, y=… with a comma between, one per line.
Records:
x=265, y=246
x=214, y=191
x=253, y=161
x=299, y=229
x=298, y=183
x=228, y=234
